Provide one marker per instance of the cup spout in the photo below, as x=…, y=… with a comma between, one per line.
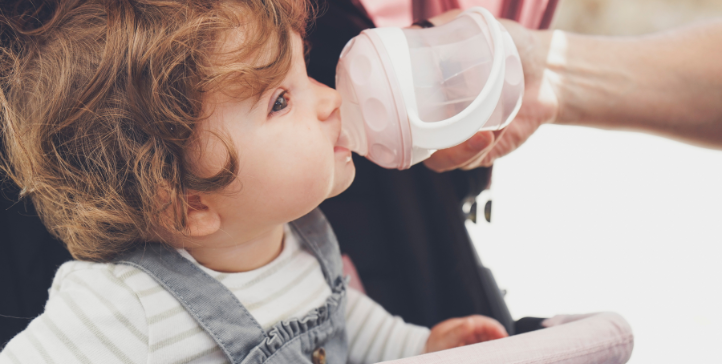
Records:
x=353, y=131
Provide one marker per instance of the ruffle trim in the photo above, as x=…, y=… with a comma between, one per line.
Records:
x=285, y=331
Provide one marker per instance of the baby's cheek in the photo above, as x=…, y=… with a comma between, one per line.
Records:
x=315, y=180
x=303, y=185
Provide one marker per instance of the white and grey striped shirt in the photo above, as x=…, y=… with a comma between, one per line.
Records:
x=107, y=313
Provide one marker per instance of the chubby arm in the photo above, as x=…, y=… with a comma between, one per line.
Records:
x=667, y=83
x=375, y=335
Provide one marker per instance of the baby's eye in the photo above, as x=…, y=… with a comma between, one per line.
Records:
x=280, y=103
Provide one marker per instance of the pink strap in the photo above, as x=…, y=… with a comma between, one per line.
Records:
x=349, y=270
x=389, y=13
x=531, y=13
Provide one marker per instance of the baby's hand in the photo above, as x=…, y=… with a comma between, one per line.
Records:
x=462, y=331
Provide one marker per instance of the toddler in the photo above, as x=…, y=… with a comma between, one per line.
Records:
x=180, y=151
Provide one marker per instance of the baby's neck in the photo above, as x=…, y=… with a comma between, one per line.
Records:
x=240, y=256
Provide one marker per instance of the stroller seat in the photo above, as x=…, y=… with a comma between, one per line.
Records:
x=570, y=339
x=603, y=338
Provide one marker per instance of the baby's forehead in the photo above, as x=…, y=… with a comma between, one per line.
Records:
x=245, y=62
x=251, y=69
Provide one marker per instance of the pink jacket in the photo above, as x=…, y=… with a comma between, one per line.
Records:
x=533, y=14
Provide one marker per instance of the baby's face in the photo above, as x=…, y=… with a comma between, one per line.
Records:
x=289, y=161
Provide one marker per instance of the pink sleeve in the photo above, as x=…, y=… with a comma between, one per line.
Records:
x=533, y=14
x=349, y=270
x=389, y=13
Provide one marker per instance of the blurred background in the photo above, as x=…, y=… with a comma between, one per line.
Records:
x=588, y=220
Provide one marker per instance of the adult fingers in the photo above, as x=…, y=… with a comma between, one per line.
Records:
x=483, y=159
x=455, y=157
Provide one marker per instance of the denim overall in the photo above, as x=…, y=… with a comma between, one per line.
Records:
x=319, y=337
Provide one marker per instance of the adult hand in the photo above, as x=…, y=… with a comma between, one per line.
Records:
x=539, y=105
x=668, y=84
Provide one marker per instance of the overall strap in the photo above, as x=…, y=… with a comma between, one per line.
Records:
x=314, y=231
x=210, y=303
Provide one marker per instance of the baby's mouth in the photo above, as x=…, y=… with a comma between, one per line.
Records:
x=341, y=146
x=343, y=141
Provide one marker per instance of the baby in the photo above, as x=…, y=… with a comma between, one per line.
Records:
x=180, y=151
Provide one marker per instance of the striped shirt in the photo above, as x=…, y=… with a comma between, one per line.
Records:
x=107, y=313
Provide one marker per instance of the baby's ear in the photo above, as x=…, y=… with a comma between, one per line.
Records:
x=202, y=219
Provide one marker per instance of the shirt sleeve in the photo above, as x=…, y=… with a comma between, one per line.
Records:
x=91, y=317
x=375, y=335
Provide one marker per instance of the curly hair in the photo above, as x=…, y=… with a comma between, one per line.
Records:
x=99, y=101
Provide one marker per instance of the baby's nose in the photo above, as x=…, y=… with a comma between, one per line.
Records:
x=329, y=101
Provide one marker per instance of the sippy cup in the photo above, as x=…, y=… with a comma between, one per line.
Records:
x=409, y=92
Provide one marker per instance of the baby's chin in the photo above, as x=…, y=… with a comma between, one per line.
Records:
x=343, y=176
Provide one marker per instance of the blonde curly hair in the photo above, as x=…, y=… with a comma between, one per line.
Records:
x=99, y=101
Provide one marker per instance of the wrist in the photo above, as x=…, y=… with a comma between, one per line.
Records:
x=553, y=47
x=584, y=75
